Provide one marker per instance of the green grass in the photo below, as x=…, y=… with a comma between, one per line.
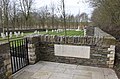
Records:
x=69, y=33
x=14, y=37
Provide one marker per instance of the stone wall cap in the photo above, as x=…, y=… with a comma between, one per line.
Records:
x=37, y=35
x=2, y=43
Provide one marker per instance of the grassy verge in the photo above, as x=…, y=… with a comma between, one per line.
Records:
x=69, y=33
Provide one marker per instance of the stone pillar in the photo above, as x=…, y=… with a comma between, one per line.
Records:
x=31, y=53
x=111, y=56
x=33, y=43
x=5, y=53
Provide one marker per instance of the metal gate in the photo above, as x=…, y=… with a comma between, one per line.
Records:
x=19, y=54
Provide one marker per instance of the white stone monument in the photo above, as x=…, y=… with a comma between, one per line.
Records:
x=10, y=34
x=52, y=30
x=6, y=33
x=15, y=33
x=84, y=32
x=38, y=32
x=2, y=35
x=46, y=31
x=22, y=34
x=18, y=32
x=35, y=31
x=78, y=29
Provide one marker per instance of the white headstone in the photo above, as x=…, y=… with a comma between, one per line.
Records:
x=46, y=31
x=6, y=33
x=84, y=32
x=15, y=33
x=10, y=34
x=35, y=31
x=22, y=34
x=18, y=32
x=2, y=35
x=78, y=29
x=38, y=32
x=52, y=30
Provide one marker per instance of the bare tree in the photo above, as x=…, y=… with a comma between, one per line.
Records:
x=106, y=15
x=64, y=16
x=43, y=15
x=26, y=7
x=13, y=15
x=84, y=19
x=6, y=15
x=1, y=15
x=52, y=6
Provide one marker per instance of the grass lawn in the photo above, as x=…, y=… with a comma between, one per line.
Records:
x=13, y=37
x=69, y=33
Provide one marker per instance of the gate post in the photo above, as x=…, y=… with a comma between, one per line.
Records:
x=6, y=68
x=31, y=53
x=32, y=49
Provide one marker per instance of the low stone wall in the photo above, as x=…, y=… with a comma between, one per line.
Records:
x=90, y=31
x=102, y=50
x=100, y=33
x=117, y=59
x=2, y=68
x=5, y=61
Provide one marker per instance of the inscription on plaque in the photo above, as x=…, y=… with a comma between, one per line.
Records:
x=72, y=51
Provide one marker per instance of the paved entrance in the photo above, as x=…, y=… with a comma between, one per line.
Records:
x=51, y=70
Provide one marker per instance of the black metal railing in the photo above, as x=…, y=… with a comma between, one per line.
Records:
x=19, y=54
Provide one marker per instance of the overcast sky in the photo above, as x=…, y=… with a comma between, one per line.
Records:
x=72, y=6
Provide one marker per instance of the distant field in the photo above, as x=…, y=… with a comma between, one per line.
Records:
x=69, y=33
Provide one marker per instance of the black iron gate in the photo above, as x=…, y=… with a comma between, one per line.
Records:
x=19, y=54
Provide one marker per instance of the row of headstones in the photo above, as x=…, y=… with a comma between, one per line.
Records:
x=61, y=30
x=36, y=32
x=58, y=30
x=17, y=34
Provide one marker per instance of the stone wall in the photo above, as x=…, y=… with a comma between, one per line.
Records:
x=117, y=59
x=33, y=49
x=5, y=61
x=2, y=68
x=90, y=31
x=102, y=50
x=100, y=33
